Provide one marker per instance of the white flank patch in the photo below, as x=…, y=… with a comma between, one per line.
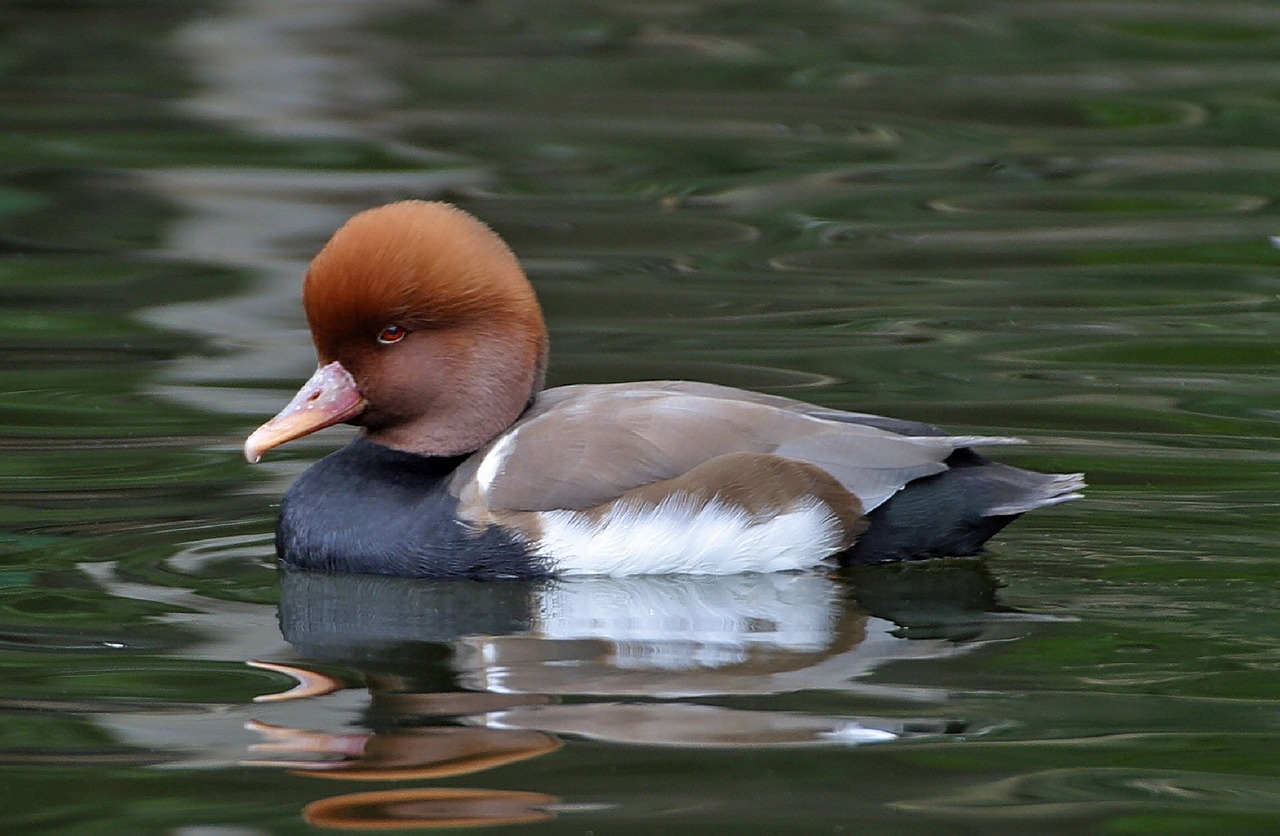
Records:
x=684, y=537
x=491, y=466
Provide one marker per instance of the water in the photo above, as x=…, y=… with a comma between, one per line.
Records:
x=1046, y=220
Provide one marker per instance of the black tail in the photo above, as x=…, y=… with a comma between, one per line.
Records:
x=954, y=512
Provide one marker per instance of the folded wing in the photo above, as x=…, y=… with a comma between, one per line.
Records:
x=582, y=446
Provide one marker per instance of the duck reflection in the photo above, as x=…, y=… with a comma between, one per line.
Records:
x=661, y=639
x=467, y=676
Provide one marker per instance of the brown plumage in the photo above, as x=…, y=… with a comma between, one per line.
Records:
x=429, y=336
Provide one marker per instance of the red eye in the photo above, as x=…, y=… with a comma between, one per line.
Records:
x=392, y=334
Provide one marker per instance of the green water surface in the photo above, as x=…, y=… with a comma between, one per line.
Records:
x=1048, y=220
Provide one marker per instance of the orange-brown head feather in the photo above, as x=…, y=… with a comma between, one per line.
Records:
x=418, y=264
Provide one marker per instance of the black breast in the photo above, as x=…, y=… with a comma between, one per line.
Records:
x=372, y=510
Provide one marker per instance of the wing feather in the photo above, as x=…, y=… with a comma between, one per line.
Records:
x=582, y=446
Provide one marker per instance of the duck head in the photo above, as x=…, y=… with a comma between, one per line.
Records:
x=428, y=335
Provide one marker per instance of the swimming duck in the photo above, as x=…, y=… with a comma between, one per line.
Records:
x=430, y=338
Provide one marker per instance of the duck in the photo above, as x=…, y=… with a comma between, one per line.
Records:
x=429, y=337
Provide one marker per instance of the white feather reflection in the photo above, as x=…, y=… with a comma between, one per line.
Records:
x=672, y=639
x=676, y=637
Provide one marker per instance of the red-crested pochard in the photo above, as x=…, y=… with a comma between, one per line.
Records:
x=430, y=338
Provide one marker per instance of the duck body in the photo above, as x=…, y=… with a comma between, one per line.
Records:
x=659, y=477
x=430, y=339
